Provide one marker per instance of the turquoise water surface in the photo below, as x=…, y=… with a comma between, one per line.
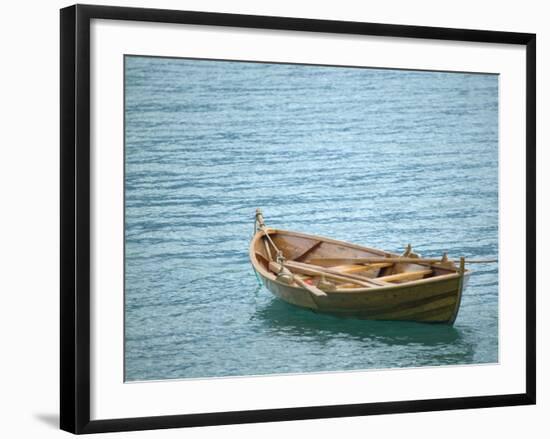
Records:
x=377, y=157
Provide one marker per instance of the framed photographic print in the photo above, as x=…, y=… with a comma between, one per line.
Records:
x=268, y=218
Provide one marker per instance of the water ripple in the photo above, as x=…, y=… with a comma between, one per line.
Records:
x=378, y=157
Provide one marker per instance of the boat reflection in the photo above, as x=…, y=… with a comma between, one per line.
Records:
x=287, y=319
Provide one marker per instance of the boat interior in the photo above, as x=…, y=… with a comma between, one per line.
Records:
x=337, y=266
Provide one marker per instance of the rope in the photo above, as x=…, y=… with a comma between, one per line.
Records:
x=480, y=261
x=259, y=224
x=257, y=277
x=262, y=227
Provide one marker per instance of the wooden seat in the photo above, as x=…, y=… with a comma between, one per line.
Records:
x=353, y=268
x=408, y=275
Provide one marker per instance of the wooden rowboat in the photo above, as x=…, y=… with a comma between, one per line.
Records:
x=330, y=276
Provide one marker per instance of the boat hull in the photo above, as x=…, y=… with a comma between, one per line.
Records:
x=434, y=302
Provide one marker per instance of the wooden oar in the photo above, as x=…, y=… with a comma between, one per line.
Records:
x=379, y=281
x=311, y=288
x=315, y=270
x=276, y=268
x=395, y=260
x=273, y=266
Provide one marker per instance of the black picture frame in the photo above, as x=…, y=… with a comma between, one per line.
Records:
x=75, y=217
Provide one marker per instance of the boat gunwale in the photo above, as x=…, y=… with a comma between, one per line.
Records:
x=267, y=274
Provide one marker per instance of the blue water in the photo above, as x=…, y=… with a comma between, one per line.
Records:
x=377, y=157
